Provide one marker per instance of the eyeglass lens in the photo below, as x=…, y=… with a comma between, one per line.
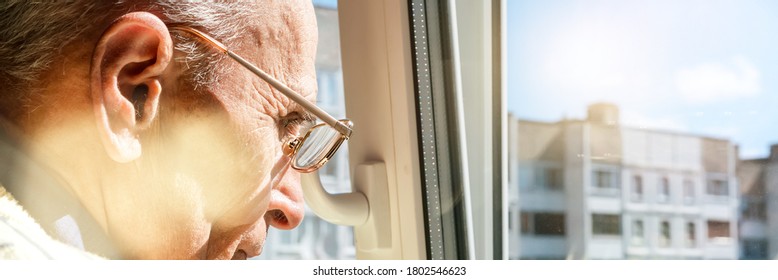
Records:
x=316, y=146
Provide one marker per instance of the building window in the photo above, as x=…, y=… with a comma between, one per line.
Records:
x=718, y=187
x=691, y=235
x=755, y=249
x=638, y=236
x=664, y=234
x=603, y=179
x=526, y=222
x=663, y=195
x=549, y=178
x=543, y=223
x=606, y=224
x=637, y=188
x=549, y=224
x=754, y=209
x=718, y=232
x=688, y=191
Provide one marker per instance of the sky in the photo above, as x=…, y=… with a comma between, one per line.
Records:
x=326, y=3
x=704, y=67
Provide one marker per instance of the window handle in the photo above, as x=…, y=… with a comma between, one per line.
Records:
x=349, y=209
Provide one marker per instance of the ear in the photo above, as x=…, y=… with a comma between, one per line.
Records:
x=127, y=66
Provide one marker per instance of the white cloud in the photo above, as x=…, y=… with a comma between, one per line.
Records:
x=716, y=81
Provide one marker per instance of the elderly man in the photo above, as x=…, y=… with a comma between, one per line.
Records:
x=150, y=129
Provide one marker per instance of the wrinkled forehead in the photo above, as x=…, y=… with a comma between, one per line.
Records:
x=281, y=38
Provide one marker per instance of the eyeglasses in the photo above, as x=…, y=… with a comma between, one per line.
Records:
x=311, y=151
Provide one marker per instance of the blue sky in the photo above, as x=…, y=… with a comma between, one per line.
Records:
x=326, y=3
x=705, y=67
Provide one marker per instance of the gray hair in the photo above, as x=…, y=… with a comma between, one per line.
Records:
x=33, y=33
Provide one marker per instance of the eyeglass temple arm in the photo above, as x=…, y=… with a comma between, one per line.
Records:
x=324, y=116
x=291, y=94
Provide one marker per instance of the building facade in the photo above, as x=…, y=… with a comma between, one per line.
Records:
x=771, y=193
x=758, y=187
x=753, y=210
x=593, y=189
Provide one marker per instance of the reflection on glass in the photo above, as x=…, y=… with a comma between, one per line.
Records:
x=316, y=146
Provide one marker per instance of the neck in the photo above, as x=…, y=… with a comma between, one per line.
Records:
x=47, y=191
x=65, y=152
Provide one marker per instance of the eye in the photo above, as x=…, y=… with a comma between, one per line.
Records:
x=295, y=124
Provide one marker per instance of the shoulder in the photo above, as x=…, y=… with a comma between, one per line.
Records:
x=22, y=238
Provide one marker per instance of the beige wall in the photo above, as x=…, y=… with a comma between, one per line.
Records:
x=714, y=155
x=540, y=141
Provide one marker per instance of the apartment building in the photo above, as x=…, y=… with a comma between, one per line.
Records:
x=594, y=189
x=758, y=186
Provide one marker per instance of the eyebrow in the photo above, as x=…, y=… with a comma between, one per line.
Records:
x=305, y=115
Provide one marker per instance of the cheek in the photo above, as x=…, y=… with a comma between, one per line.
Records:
x=242, y=226
x=165, y=222
x=246, y=200
x=230, y=164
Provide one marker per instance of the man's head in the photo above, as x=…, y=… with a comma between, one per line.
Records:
x=176, y=151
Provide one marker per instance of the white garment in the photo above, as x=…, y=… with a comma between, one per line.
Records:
x=22, y=238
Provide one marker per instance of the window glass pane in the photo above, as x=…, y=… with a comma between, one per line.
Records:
x=638, y=237
x=549, y=178
x=602, y=179
x=664, y=234
x=637, y=188
x=556, y=177
x=718, y=232
x=754, y=249
x=688, y=191
x=663, y=195
x=526, y=222
x=605, y=180
x=549, y=224
x=605, y=224
x=717, y=187
x=658, y=113
x=691, y=235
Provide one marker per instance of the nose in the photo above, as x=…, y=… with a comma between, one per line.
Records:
x=286, y=209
